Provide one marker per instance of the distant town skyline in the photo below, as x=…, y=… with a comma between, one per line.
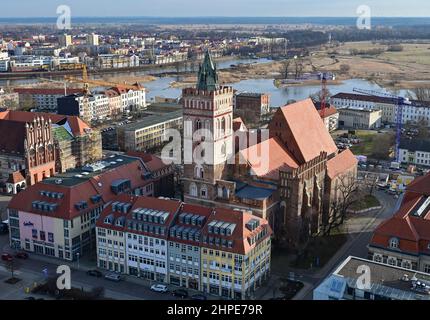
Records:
x=228, y=8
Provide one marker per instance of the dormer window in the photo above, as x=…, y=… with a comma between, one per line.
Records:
x=394, y=243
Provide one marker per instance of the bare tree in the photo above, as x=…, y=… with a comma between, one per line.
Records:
x=12, y=266
x=348, y=188
x=382, y=144
x=344, y=68
x=298, y=65
x=287, y=64
x=422, y=94
x=369, y=183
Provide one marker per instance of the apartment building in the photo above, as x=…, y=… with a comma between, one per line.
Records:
x=404, y=239
x=415, y=151
x=29, y=62
x=218, y=251
x=65, y=40
x=90, y=107
x=414, y=112
x=57, y=216
x=112, y=61
x=4, y=62
x=144, y=224
x=184, y=247
x=92, y=39
x=45, y=99
x=149, y=132
x=132, y=99
x=386, y=282
x=235, y=254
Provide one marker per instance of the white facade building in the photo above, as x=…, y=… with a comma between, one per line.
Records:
x=413, y=113
x=415, y=151
x=147, y=257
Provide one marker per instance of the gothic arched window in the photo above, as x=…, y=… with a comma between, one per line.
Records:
x=193, y=190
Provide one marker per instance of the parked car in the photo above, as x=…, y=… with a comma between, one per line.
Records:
x=21, y=255
x=181, y=293
x=198, y=296
x=6, y=257
x=113, y=276
x=94, y=273
x=159, y=288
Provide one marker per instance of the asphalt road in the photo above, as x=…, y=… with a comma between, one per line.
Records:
x=132, y=289
x=355, y=247
x=124, y=290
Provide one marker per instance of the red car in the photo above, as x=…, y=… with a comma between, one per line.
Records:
x=21, y=255
x=6, y=257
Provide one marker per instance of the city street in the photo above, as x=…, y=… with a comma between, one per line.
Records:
x=355, y=246
x=31, y=270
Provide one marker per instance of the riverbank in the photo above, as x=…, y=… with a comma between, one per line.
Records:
x=95, y=72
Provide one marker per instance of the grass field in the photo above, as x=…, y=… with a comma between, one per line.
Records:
x=366, y=145
x=409, y=68
x=366, y=202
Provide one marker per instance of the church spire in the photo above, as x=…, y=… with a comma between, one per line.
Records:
x=207, y=78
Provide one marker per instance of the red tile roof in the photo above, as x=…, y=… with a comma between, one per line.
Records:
x=152, y=162
x=341, y=163
x=47, y=91
x=98, y=184
x=239, y=236
x=412, y=231
x=328, y=112
x=238, y=124
x=302, y=130
x=13, y=141
x=16, y=177
x=77, y=126
x=170, y=206
x=241, y=233
x=267, y=165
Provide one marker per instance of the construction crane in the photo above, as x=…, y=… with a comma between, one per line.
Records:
x=400, y=103
x=86, y=81
x=324, y=93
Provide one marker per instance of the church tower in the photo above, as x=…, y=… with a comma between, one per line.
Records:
x=208, y=134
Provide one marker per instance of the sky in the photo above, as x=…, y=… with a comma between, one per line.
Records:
x=232, y=8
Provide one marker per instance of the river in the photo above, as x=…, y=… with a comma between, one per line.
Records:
x=278, y=96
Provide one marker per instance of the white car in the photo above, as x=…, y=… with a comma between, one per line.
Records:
x=113, y=277
x=159, y=288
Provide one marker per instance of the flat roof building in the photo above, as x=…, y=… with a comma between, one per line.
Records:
x=378, y=282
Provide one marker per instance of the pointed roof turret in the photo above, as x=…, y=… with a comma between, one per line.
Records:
x=207, y=78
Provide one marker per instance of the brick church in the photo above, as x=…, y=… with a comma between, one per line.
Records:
x=288, y=176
